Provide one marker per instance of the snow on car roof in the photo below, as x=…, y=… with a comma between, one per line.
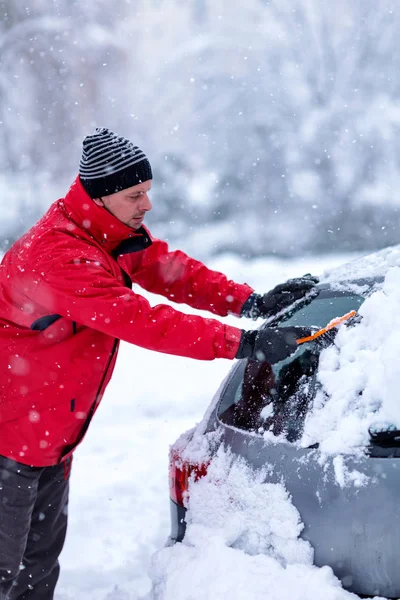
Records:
x=376, y=264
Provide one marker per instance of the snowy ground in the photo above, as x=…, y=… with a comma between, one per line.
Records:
x=119, y=508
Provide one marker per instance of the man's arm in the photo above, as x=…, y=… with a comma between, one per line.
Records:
x=86, y=292
x=185, y=280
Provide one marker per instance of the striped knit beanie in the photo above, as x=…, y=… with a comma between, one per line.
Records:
x=110, y=163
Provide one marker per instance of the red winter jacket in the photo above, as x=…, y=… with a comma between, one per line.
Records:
x=65, y=302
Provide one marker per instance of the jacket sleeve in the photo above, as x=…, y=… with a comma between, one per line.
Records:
x=86, y=292
x=185, y=280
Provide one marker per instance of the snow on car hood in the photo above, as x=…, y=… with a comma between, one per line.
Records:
x=241, y=542
x=359, y=373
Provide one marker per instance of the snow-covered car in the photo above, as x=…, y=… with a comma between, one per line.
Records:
x=326, y=423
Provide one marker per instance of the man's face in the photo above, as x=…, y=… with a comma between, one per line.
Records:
x=130, y=205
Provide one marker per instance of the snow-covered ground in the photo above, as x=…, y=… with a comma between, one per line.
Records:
x=119, y=507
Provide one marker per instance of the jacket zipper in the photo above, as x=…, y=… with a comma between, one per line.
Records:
x=69, y=449
x=114, y=348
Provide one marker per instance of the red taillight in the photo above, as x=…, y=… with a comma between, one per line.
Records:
x=179, y=474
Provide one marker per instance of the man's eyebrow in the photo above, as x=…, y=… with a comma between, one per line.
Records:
x=139, y=192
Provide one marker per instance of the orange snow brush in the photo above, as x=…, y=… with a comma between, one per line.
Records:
x=331, y=325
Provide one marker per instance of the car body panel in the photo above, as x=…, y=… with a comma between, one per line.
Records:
x=355, y=530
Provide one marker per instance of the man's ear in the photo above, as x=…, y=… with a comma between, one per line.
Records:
x=98, y=201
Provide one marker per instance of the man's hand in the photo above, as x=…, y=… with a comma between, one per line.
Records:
x=283, y=295
x=271, y=344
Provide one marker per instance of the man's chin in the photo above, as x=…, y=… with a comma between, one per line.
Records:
x=136, y=224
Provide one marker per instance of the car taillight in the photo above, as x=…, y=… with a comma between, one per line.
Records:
x=179, y=474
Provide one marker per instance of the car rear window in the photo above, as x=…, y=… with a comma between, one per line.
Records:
x=263, y=397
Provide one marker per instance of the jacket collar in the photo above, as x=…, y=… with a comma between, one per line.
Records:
x=106, y=229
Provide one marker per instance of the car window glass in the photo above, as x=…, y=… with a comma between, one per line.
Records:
x=325, y=307
x=262, y=397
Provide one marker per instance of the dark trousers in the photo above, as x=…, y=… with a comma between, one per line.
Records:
x=33, y=524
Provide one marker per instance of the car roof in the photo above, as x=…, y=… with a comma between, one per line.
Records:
x=362, y=285
x=373, y=265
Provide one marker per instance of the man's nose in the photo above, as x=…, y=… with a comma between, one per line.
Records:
x=145, y=203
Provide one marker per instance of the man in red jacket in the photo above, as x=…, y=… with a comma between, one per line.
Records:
x=66, y=301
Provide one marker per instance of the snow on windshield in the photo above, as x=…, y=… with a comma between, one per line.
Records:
x=359, y=373
x=242, y=542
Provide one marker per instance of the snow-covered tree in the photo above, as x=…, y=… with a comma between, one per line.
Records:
x=278, y=117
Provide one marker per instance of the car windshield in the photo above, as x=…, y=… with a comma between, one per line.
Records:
x=264, y=397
